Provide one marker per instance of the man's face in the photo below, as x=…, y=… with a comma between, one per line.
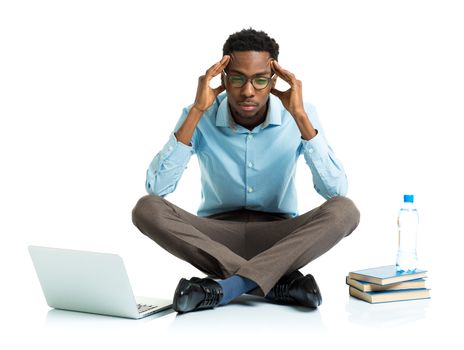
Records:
x=248, y=104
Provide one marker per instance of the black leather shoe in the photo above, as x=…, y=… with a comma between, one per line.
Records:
x=296, y=289
x=196, y=294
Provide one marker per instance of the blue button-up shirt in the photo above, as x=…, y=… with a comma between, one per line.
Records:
x=243, y=169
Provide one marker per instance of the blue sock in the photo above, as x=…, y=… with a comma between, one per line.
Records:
x=235, y=286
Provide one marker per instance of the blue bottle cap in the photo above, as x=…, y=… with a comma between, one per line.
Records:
x=408, y=198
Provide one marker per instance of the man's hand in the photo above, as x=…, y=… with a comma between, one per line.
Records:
x=205, y=94
x=204, y=99
x=292, y=99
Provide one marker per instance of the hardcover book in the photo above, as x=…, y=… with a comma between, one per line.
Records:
x=391, y=295
x=371, y=287
x=385, y=275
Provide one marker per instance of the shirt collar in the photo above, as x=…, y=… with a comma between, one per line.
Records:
x=273, y=117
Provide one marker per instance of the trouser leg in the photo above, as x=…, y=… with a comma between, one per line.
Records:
x=213, y=246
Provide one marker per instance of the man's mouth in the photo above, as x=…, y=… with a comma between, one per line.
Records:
x=247, y=106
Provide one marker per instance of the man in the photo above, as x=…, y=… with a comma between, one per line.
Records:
x=248, y=236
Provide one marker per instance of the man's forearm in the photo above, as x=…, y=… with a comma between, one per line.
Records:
x=185, y=133
x=304, y=124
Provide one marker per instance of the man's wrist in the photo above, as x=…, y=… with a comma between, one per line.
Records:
x=199, y=109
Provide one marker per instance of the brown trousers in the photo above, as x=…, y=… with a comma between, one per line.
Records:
x=259, y=246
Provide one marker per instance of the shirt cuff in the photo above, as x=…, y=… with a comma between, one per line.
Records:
x=315, y=148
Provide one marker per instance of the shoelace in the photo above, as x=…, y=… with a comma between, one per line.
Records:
x=212, y=297
x=281, y=292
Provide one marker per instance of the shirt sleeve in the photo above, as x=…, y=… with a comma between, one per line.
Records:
x=329, y=177
x=167, y=167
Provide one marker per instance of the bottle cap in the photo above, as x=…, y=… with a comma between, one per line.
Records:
x=408, y=198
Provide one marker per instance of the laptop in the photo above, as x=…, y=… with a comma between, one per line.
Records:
x=90, y=282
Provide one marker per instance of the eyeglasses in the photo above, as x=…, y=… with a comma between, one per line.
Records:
x=237, y=80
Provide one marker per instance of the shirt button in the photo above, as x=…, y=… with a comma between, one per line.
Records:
x=250, y=164
x=310, y=150
x=250, y=136
x=250, y=189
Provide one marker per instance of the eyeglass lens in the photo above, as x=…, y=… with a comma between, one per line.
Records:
x=258, y=82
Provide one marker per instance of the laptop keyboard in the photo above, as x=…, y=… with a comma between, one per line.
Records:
x=145, y=307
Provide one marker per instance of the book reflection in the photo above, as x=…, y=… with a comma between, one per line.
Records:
x=386, y=314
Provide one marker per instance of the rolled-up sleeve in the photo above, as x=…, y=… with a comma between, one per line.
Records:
x=329, y=177
x=167, y=167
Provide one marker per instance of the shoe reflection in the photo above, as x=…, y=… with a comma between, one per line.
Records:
x=249, y=313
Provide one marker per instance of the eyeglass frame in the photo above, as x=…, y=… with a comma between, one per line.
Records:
x=269, y=80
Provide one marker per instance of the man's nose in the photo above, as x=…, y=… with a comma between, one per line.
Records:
x=248, y=90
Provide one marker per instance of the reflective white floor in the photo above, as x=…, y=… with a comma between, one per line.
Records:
x=249, y=321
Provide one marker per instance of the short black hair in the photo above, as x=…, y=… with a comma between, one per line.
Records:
x=251, y=40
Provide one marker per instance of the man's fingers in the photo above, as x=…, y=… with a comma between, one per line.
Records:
x=214, y=66
x=279, y=70
x=218, y=67
x=284, y=74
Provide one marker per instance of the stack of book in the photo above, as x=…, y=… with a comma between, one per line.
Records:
x=385, y=284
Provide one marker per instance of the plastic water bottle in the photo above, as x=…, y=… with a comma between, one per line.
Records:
x=408, y=224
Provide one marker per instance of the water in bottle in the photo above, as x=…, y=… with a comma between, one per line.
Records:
x=408, y=224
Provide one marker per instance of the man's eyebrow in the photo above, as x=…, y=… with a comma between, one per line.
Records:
x=254, y=75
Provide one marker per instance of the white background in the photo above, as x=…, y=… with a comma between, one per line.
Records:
x=90, y=90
